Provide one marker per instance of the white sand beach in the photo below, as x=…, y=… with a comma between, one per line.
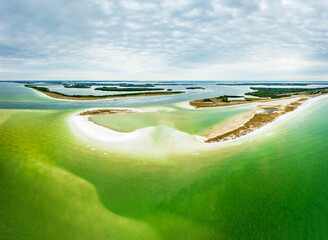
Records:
x=148, y=141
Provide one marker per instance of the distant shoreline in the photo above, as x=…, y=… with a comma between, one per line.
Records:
x=57, y=95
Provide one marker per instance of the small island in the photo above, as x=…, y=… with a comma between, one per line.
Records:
x=128, y=89
x=191, y=88
x=285, y=92
x=105, y=111
x=220, y=101
x=77, y=85
x=263, y=84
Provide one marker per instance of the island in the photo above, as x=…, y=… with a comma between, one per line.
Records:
x=263, y=84
x=285, y=92
x=106, y=111
x=260, y=95
x=128, y=89
x=202, y=88
x=63, y=96
x=265, y=113
x=77, y=85
x=220, y=101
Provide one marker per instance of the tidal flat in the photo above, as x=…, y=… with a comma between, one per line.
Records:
x=57, y=185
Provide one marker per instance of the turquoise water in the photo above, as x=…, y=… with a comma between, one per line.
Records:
x=54, y=186
x=16, y=96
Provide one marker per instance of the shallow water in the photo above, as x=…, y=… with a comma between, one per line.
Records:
x=199, y=122
x=56, y=186
x=269, y=110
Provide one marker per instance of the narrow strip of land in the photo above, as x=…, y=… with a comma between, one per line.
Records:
x=128, y=89
x=222, y=101
x=285, y=92
x=261, y=95
x=97, y=112
x=58, y=95
x=267, y=115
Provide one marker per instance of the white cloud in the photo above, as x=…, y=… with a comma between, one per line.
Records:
x=135, y=5
x=106, y=6
x=134, y=26
x=101, y=32
x=193, y=13
x=169, y=39
x=220, y=8
x=175, y=5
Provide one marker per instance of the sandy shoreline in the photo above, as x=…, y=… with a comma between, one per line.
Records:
x=61, y=96
x=269, y=126
x=147, y=141
x=264, y=115
x=231, y=124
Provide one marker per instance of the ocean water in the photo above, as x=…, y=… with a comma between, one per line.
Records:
x=273, y=185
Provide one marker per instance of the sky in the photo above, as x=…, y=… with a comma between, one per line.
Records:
x=164, y=40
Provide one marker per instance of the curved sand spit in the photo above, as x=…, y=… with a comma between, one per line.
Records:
x=146, y=141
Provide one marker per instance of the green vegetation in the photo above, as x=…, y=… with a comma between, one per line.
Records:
x=195, y=88
x=135, y=85
x=265, y=84
x=77, y=85
x=251, y=99
x=217, y=101
x=173, y=84
x=127, y=89
x=284, y=92
x=224, y=99
x=41, y=89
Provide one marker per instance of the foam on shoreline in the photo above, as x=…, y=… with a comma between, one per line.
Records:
x=271, y=125
x=147, y=141
x=61, y=99
x=185, y=105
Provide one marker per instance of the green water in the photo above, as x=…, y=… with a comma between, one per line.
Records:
x=55, y=186
x=13, y=92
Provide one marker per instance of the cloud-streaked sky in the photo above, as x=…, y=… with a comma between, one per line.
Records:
x=164, y=40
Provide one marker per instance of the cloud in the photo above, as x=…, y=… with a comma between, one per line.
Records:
x=135, y=5
x=106, y=6
x=169, y=39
